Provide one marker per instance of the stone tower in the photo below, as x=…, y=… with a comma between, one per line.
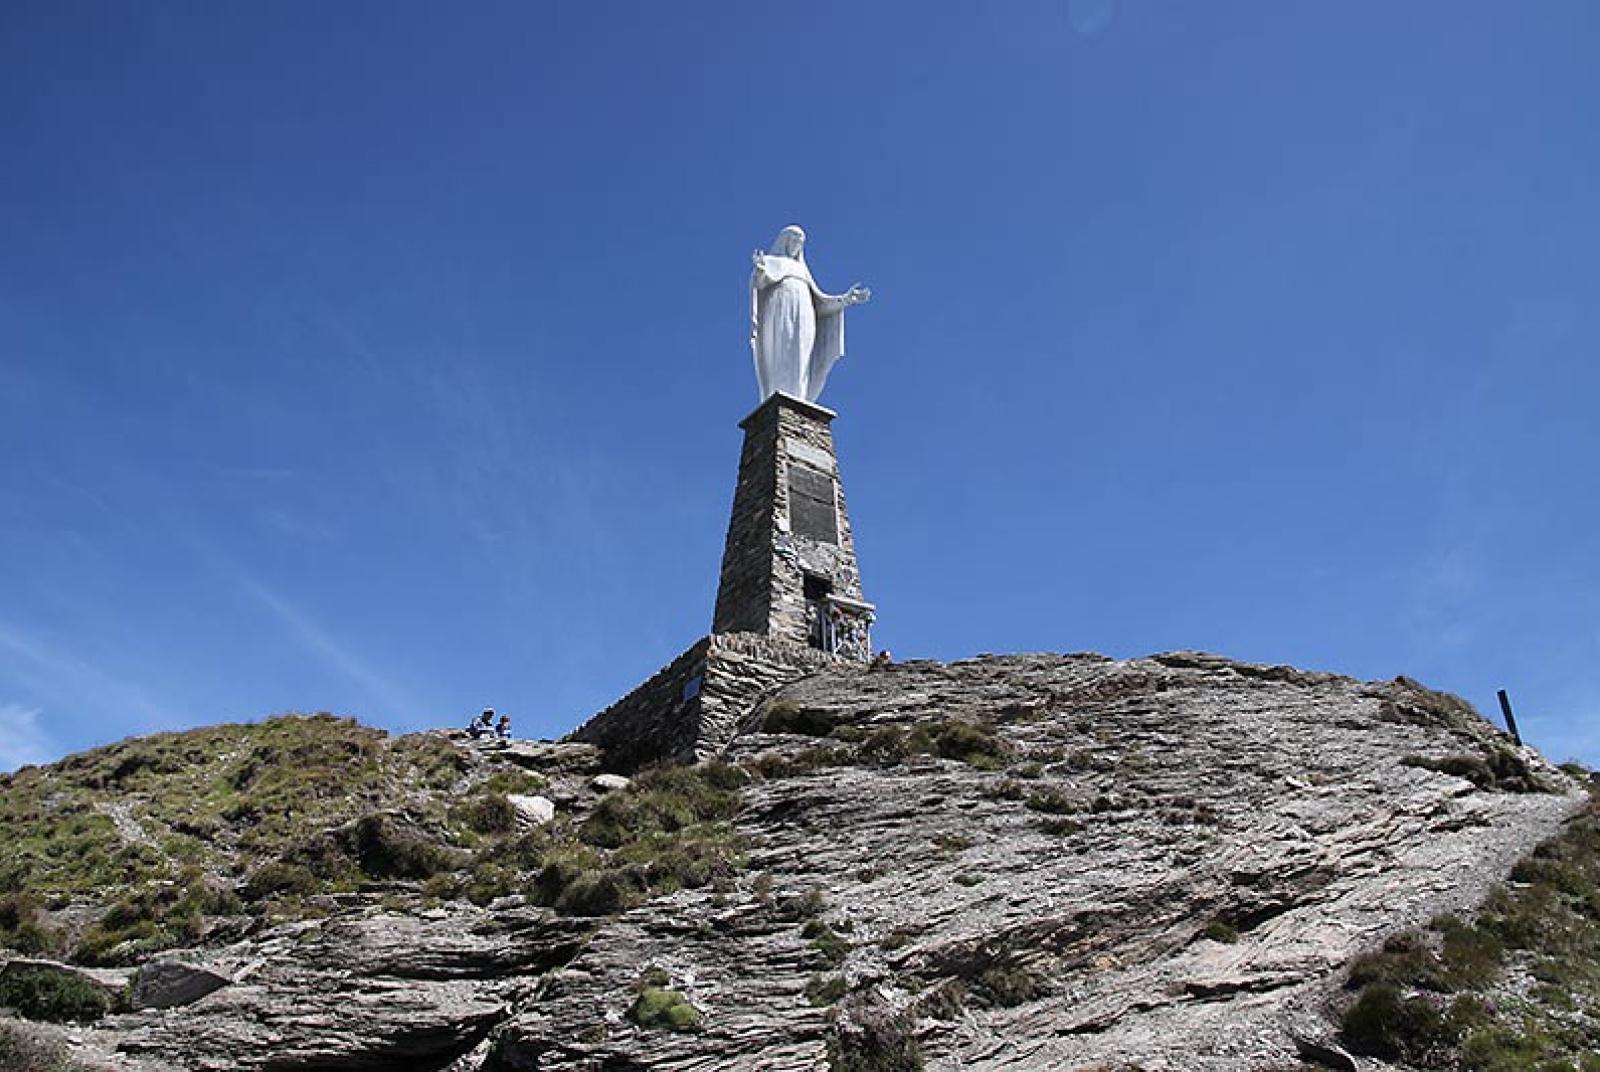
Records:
x=789, y=600
x=789, y=603
x=789, y=564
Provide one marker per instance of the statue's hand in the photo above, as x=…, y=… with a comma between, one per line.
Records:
x=759, y=258
x=857, y=295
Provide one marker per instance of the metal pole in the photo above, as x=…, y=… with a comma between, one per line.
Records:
x=1511, y=720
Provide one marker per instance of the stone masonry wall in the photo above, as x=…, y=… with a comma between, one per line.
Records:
x=656, y=722
x=742, y=669
x=697, y=704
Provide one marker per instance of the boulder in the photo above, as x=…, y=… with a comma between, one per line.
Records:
x=605, y=783
x=532, y=811
x=166, y=984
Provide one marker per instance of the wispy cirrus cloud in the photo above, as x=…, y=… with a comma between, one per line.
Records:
x=319, y=642
x=22, y=739
x=43, y=666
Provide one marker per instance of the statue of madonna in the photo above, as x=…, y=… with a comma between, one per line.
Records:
x=796, y=330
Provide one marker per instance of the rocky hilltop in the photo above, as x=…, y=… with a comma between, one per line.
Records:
x=1023, y=862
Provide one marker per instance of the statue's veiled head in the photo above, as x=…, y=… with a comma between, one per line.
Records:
x=791, y=242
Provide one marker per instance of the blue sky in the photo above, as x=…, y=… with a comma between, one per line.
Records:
x=387, y=358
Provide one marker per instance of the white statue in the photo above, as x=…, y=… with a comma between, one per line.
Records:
x=796, y=331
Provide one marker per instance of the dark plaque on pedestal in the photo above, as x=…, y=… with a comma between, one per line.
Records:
x=812, y=512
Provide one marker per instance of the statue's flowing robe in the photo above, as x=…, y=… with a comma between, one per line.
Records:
x=796, y=331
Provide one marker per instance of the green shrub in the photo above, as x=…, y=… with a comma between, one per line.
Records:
x=832, y=948
x=385, y=848
x=1383, y=1023
x=561, y=867
x=1220, y=930
x=41, y=993
x=785, y=716
x=664, y=799
x=898, y=938
x=873, y=1040
x=1053, y=801
x=1470, y=956
x=601, y=893
x=514, y=782
x=694, y=857
x=808, y=905
x=775, y=765
x=486, y=882
x=944, y=1001
x=442, y=887
x=657, y=1009
x=825, y=989
x=23, y=927
x=1008, y=985
x=277, y=879
x=884, y=747
x=1497, y=768
x=486, y=813
x=153, y=917
x=972, y=744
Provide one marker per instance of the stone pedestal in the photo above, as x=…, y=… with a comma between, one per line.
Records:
x=789, y=565
x=789, y=603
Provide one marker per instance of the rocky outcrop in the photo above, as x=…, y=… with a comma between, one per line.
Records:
x=1008, y=863
x=1148, y=809
x=364, y=990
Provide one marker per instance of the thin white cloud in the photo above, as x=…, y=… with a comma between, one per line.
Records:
x=320, y=643
x=49, y=669
x=22, y=739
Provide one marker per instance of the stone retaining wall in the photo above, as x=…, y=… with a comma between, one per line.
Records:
x=696, y=705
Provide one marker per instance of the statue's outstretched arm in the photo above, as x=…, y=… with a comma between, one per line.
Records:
x=856, y=295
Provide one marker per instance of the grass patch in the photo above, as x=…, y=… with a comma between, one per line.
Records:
x=486, y=813
x=226, y=798
x=1053, y=801
x=668, y=830
x=44, y=993
x=659, y=1009
x=1432, y=998
x=870, y=1039
x=1007, y=985
x=970, y=743
x=943, y=1001
x=153, y=917
x=1497, y=768
x=825, y=989
x=23, y=926
x=829, y=945
x=514, y=783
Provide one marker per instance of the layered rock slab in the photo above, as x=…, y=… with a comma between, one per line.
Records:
x=1146, y=809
